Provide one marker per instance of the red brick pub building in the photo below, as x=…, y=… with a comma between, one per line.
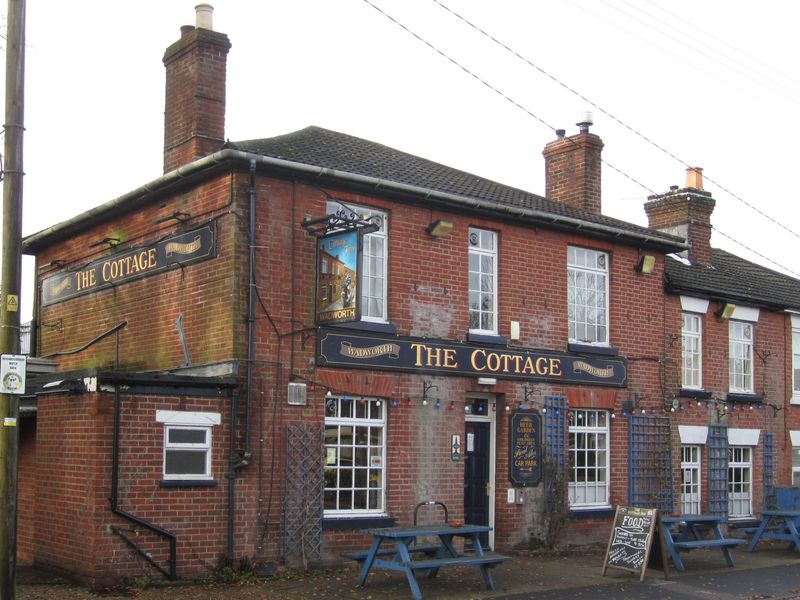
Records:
x=280, y=342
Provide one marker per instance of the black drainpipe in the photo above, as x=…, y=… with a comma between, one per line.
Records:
x=235, y=464
x=168, y=535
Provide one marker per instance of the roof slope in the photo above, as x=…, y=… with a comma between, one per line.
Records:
x=333, y=150
x=733, y=278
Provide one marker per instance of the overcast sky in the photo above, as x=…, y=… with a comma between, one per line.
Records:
x=708, y=83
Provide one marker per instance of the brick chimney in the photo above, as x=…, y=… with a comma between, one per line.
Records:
x=194, y=111
x=572, y=168
x=685, y=212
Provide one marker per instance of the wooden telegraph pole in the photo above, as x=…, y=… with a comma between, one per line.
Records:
x=11, y=265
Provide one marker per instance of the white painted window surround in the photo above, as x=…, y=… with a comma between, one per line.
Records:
x=693, y=434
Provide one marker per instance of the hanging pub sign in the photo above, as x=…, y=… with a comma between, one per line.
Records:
x=524, y=448
x=338, y=262
x=339, y=348
x=121, y=267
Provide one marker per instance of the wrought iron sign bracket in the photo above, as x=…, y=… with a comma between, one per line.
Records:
x=346, y=218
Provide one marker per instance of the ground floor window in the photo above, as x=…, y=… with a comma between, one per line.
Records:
x=588, y=452
x=796, y=465
x=740, y=481
x=690, y=480
x=187, y=443
x=355, y=456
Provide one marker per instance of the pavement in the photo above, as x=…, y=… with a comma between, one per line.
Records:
x=773, y=572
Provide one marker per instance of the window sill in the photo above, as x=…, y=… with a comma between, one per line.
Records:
x=695, y=394
x=591, y=349
x=591, y=513
x=367, y=326
x=183, y=483
x=742, y=398
x=340, y=523
x=487, y=338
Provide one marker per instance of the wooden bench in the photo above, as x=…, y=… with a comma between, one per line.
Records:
x=709, y=543
x=360, y=556
x=490, y=560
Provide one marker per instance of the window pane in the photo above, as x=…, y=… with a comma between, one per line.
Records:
x=185, y=462
x=186, y=436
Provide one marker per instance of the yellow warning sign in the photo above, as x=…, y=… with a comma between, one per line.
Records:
x=12, y=303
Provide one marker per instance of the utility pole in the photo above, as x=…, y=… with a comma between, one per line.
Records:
x=11, y=265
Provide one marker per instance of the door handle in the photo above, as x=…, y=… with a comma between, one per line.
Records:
x=489, y=489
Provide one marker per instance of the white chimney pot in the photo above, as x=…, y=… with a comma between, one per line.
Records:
x=204, y=16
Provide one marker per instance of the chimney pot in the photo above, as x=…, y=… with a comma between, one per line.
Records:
x=585, y=122
x=673, y=188
x=560, y=133
x=204, y=16
x=694, y=178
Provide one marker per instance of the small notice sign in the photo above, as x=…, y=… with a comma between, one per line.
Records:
x=632, y=539
x=12, y=374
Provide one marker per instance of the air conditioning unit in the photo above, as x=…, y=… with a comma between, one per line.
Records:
x=297, y=394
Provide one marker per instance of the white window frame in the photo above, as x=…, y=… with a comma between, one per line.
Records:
x=692, y=351
x=482, y=286
x=795, y=465
x=587, y=296
x=590, y=460
x=691, y=479
x=348, y=421
x=741, y=341
x=795, y=359
x=740, y=482
x=373, y=278
x=187, y=421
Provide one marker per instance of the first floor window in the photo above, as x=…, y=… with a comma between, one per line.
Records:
x=795, y=363
x=796, y=465
x=740, y=481
x=692, y=335
x=482, y=280
x=690, y=480
x=187, y=443
x=587, y=296
x=355, y=456
x=588, y=452
x=740, y=344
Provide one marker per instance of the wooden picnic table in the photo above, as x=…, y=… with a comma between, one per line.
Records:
x=690, y=536
x=777, y=525
x=405, y=556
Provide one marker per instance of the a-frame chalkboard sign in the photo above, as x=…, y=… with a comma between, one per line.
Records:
x=631, y=540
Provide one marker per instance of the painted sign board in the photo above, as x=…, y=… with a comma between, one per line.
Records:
x=121, y=267
x=338, y=264
x=524, y=448
x=632, y=536
x=341, y=348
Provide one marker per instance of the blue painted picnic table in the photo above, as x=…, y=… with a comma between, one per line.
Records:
x=777, y=525
x=405, y=556
x=690, y=536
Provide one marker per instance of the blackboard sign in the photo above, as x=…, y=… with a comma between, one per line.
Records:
x=631, y=539
x=524, y=448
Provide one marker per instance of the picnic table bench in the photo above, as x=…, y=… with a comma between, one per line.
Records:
x=403, y=552
x=690, y=536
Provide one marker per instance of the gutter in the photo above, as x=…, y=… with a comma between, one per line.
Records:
x=186, y=174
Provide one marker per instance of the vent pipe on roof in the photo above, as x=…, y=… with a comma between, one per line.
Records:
x=204, y=16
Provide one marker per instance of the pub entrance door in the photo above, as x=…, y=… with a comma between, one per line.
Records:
x=479, y=460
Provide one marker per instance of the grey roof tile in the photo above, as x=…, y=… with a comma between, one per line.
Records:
x=333, y=150
x=731, y=277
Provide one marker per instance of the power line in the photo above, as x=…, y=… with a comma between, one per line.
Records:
x=496, y=90
x=614, y=118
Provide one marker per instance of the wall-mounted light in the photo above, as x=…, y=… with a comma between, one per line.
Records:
x=646, y=264
x=726, y=310
x=487, y=381
x=440, y=228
